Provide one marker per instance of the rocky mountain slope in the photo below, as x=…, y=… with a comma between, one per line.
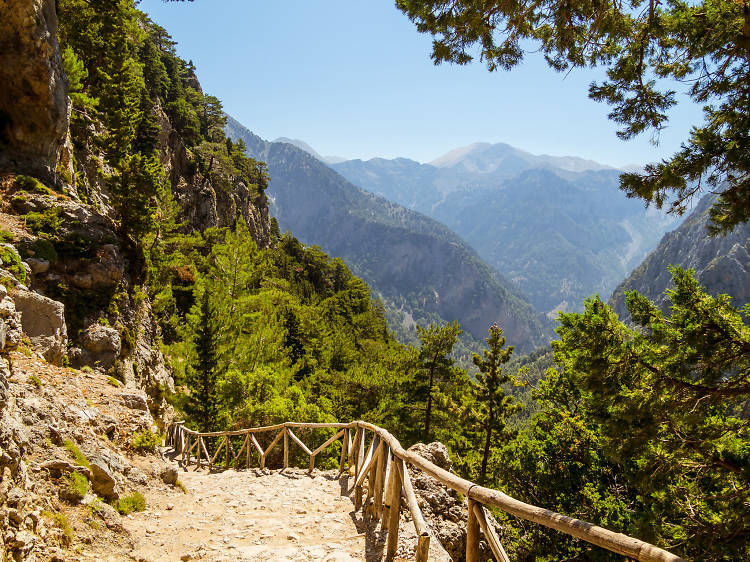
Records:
x=558, y=228
x=421, y=270
x=81, y=368
x=721, y=263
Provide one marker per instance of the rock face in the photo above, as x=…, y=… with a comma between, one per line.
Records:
x=43, y=320
x=103, y=345
x=10, y=322
x=34, y=105
x=721, y=263
x=445, y=512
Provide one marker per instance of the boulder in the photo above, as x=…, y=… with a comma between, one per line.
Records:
x=102, y=480
x=3, y=333
x=100, y=339
x=108, y=271
x=135, y=401
x=34, y=103
x=38, y=265
x=43, y=320
x=102, y=345
x=169, y=475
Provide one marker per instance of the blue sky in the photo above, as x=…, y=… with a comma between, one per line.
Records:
x=353, y=78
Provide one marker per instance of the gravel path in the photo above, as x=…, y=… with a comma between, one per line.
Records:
x=287, y=515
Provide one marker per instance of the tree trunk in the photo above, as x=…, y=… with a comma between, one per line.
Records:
x=487, y=440
x=428, y=410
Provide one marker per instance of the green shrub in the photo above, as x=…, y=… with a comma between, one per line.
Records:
x=77, y=485
x=113, y=381
x=36, y=381
x=32, y=185
x=43, y=249
x=131, y=503
x=61, y=522
x=73, y=449
x=47, y=223
x=11, y=261
x=146, y=441
x=5, y=236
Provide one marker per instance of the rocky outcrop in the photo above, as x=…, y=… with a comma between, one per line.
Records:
x=721, y=263
x=10, y=322
x=444, y=510
x=34, y=105
x=43, y=320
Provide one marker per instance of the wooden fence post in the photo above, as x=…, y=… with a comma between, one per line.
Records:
x=382, y=466
x=344, y=451
x=286, y=448
x=392, y=510
x=472, y=534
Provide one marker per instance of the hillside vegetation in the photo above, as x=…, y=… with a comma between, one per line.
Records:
x=422, y=271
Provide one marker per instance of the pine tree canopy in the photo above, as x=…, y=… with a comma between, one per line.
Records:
x=647, y=48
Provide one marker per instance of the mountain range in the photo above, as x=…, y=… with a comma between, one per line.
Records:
x=558, y=228
x=421, y=270
x=721, y=263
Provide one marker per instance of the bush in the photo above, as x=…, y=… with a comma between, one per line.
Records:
x=5, y=236
x=146, y=441
x=32, y=185
x=77, y=486
x=131, y=503
x=61, y=522
x=47, y=222
x=36, y=381
x=79, y=457
x=43, y=249
x=10, y=260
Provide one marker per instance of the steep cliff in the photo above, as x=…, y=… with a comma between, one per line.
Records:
x=721, y=263
x=85, y=200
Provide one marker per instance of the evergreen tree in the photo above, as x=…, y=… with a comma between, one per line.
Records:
x=203, y=403
x=669, y=400
x=494, y=405
x=435, y=364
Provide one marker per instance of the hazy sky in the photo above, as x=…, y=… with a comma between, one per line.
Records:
x=353, y=78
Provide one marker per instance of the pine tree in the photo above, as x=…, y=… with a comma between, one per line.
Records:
x=435, y=363
x=203, y=403
x=494, y=405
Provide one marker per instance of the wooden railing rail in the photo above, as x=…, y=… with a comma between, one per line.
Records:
x=381, y=474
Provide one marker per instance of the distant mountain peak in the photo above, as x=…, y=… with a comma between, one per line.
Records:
x=456, y=155
x=483, y=157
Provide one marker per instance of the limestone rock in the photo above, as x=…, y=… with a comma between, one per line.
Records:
x=135, y=401
x=34, y=105
x=103, y=344
x=38, y=265
x=169, y=475
x=445, y=513
x=102, y=480
x=43, y=320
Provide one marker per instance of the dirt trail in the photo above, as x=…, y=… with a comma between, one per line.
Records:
x=259, y=515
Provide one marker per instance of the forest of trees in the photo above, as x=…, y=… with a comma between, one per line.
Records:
x=640, y=429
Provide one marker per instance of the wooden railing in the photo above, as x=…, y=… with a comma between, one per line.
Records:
x=380, y=473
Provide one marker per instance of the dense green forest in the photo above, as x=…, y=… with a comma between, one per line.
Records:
x=640, y=429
